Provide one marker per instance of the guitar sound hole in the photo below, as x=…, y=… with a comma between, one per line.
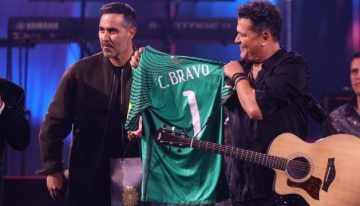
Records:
x=298, y=168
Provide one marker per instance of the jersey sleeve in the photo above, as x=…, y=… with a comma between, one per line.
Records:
x=139, y=95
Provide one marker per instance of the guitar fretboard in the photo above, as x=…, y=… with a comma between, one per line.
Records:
x=246, y=155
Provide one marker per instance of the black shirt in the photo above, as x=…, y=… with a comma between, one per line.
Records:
x=281, y=88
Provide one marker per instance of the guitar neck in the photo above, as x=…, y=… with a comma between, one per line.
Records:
x=270, y=161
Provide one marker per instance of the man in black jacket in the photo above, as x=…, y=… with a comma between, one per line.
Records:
x=271, y=98
x=92, y=101
x=14, y=127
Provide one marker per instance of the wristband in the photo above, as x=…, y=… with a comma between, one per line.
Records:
x=239, y=78
x=236, y=75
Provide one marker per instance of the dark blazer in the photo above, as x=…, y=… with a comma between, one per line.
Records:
x=92, y=100
x=14, y=127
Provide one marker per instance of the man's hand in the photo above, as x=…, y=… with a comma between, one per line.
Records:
x=231, y=68
x=135, y=58
x=136, y=134
x=55, y=183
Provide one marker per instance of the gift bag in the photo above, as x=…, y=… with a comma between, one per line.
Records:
x=126, y=175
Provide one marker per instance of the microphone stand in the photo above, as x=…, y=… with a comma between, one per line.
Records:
x=320, y=114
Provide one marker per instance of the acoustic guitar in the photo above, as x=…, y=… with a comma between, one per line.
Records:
x=324, y=173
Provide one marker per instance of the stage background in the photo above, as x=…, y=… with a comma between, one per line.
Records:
x=326, y=32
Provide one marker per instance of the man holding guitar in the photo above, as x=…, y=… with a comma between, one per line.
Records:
x=271, y=84
x=324, y=173
x=268, y=117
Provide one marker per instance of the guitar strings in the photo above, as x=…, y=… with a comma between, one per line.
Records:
x=254, y=157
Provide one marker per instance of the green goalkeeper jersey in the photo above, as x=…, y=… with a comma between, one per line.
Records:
x=185, y=93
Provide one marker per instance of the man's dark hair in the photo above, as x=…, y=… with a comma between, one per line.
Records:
x=355, y=55
x=264, y=16
x=120, y=8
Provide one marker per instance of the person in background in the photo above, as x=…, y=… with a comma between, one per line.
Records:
x=271, y=98
x=92, y=100
x=14, y=127
x=346, y=118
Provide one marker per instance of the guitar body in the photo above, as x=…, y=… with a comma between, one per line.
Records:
x=331, y=176
x=324, y=173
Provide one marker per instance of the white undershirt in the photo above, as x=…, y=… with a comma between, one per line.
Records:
x=2, y=108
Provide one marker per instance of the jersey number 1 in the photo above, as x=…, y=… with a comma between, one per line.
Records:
x=194, y=111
